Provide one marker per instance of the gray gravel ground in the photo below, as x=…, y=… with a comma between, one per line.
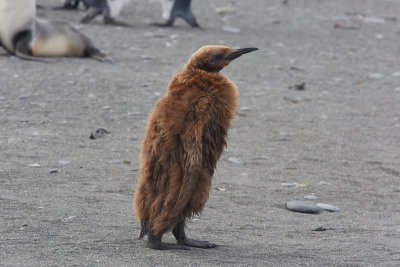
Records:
x=339, y=139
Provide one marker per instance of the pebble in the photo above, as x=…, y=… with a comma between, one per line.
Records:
x=235, y=160
x=230, y=29
x=2, y=98
x=376, y=75
x=63, y=162
x=34, y=165
x=223, y=10
x=302, y=206
x=288, y=184
x=374, y=20
x=311, y=197
x=396, y=73
x=328, y=207
x=286, y=134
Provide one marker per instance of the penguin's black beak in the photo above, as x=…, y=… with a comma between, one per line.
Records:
x=238, y=52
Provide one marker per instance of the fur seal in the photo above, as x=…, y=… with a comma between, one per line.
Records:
x=186, y=134
x=177, y=9
x=26, y=36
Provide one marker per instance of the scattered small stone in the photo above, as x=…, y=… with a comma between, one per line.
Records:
x=311, y=197
x=69, y=218
x=302, y=206
x=321, y=229
x=146, y=57
x=374, y=20
x=324, y=183
x=298, y=86
x=223, y=10
x=379, y=36
x=376, y=75
x=99, y=133
x=220, y=189
x=195, y=219
x=230, y=29
x=64, y=162
x=244, y=108
x=328, y=207
x=2, y=98
x=291, y=99
x=286, y=134
x=288, y=184
x=300, y=185
x=127, y=162
x=394, y=74
x=34, y=165
x=235, y=160
x=54, y=171
x=22, y=97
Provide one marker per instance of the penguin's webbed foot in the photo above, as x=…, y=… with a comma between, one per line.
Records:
x=154, y=242
x=181, y=239
x=197, y=243
x=165, y=246
x=168, y=23
x=111, y=21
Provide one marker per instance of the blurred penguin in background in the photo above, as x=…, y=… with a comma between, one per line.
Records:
x=177, y=9
x=110, y=9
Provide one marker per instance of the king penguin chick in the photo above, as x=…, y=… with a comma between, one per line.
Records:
x=186, y=134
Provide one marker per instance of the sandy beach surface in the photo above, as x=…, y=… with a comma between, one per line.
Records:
x=66, y=200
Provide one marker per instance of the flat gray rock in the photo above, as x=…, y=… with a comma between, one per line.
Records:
x=302, y=206
x=328, y=207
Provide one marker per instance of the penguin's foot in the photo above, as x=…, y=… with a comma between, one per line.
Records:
x=165, y=246
x=168, y=23
x=111, y=21
x=196, y=243
x=154, y=242
x=181, y=239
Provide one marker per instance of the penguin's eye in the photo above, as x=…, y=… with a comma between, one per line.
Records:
x=217, y=57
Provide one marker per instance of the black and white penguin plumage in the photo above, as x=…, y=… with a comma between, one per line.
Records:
x=173, y=9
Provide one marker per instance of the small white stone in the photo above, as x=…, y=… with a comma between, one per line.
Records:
x=376, y=75
x=328, y=207
x=34, y=165
x=235, y=160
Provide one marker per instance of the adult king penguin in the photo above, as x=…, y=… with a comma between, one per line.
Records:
x=173, y=9
x=186, y=134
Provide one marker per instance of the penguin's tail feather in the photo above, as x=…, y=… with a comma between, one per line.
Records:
x=144, y=230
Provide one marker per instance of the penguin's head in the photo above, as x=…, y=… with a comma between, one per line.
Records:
x=213, y=58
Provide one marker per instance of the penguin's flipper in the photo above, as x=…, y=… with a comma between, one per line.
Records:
x=198, y=120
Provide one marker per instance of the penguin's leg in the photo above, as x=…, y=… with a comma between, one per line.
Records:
x=168, y=23
x=90, y=14
x=188, y=16
x=154, y=242
x=179, y=233
x=110, y=21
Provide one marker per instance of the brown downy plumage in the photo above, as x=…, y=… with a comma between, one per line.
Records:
x=186, y=134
